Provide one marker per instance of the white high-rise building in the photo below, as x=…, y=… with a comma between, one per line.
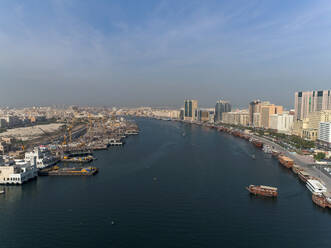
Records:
x=324, y=133
x=281, y=122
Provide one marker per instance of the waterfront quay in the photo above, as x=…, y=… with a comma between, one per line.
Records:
x=74, y=142
x=308, y=164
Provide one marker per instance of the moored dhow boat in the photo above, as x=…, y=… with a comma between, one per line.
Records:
x=263, y=190
x=322, y=199
x=286, y=161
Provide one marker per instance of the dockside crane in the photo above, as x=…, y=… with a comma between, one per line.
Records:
x=22, y=145
x=59, y=150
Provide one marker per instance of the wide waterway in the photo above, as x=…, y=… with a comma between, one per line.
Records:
x=174, y=185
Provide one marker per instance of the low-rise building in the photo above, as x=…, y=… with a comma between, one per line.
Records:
x=17, y=173
x=166, y=113
x=4, y=147
x=310, y=134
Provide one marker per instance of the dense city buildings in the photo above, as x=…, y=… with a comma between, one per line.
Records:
x=311, y=101
x=308, y=127
x=190, y=110
x=220, y=108
x=259, y=113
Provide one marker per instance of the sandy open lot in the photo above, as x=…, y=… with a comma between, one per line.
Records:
x=26, y=133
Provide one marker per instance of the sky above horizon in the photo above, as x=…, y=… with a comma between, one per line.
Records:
x=157, y=53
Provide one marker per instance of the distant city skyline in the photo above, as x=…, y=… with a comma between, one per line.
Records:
x=157, y=53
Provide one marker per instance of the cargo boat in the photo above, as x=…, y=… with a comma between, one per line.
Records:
x=304, y=176
x=263, y=190
x=257, y=143
x=99, y=147
x=286, y=161
x=296, y=169
x=85, y=159
x=323, y=200
x=56, y=171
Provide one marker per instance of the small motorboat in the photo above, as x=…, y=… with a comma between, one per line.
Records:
x=2, y=192
x=253, y=156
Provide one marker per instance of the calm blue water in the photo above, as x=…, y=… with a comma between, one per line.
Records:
x=163, y=189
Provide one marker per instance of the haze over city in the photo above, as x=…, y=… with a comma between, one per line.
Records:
x=157, y=53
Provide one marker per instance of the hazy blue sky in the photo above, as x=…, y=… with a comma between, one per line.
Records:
x=133, y=53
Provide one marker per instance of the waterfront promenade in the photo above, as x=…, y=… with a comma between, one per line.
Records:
x=305, y=162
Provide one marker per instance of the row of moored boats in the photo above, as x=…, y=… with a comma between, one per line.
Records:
x=320, y=196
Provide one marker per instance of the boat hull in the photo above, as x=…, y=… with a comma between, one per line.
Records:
x=258, y=190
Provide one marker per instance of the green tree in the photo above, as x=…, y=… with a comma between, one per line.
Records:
x=319, y=156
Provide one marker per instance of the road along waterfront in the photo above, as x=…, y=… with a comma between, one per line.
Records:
x=308, y=165
x=166, y=189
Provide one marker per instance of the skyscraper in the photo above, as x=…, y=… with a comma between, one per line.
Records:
x=311, y=101
x=324, y=134
x=221, y=107
x=254, y=108
x=190, y=110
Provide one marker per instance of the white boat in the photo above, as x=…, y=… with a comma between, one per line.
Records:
x=2, y=192
x=267, y=149
x=41, y=156
x=115, y=142
x=315, y=186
